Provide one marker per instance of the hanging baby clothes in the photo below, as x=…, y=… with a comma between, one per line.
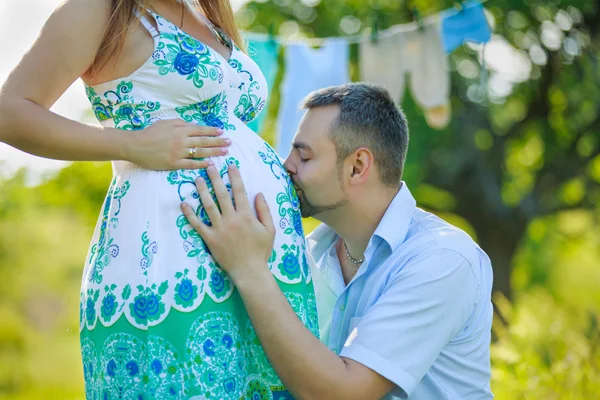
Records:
x=400, y=50
x=307, y=69
x=468, y=24
x=264, y=52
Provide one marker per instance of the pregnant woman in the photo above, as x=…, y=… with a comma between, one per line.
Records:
x=159, y=318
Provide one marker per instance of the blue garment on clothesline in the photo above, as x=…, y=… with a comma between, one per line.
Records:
x=264, y=52
x=307, y=69
x=468, y=24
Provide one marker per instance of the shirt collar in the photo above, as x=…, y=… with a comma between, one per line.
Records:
x=392, y=228
x=319, y=241
x=394, y=225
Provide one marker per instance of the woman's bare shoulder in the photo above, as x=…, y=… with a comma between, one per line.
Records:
x=64, y=50
x=88, y=17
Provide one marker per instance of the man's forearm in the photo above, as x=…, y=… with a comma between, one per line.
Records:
x=306, y=366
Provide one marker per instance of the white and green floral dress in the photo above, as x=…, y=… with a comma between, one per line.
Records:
x=159, y=318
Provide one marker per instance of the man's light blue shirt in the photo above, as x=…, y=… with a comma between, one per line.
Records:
x=418, y=311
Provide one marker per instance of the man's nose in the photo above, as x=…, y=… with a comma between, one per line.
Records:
x=289, y=165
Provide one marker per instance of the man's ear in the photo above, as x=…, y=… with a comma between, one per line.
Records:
x=362, y=164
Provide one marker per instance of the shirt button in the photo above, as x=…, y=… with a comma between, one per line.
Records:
x=342, y=307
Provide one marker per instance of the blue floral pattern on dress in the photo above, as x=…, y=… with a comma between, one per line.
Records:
x=149, y=249
x=211, y=112
x=122, y=108
x=180, y=53
x=289, y=204
x=216, y=339
x=109, y=303
x=250, y=103
x=148, y=306
x=102, y=252
x=186, y=291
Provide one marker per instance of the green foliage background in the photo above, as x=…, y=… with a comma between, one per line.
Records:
x=519, y=171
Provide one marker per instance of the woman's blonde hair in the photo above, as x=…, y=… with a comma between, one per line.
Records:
x=125, y=13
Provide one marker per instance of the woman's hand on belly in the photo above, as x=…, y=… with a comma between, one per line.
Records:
x=175, y=144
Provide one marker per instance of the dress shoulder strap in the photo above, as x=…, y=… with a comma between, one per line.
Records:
x=148, y=25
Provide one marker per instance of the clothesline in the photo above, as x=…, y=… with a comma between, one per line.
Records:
x=361, y=37
x=401, y=50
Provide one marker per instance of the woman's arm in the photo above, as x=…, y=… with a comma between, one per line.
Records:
x=62, y=53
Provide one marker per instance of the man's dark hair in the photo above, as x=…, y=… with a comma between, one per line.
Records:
x=368, y=118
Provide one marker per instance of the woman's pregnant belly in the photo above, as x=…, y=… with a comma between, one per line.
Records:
x=144, y=244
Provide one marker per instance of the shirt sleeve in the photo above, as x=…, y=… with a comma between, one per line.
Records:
x=422, y=308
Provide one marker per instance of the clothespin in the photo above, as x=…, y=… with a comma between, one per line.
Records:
x=375, y=30
x=417, y=17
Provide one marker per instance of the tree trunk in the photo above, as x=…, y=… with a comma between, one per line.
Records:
x=500, y=240
x=501, y=251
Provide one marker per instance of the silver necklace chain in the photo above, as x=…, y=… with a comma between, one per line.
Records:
x=352, y=259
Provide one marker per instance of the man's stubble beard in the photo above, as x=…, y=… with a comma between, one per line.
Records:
x=307, y=209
